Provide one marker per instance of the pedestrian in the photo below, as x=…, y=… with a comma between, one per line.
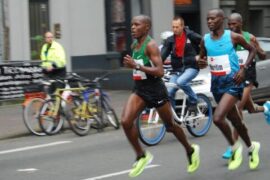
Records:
x=149, y=91
x=53, y=57
x=235, y=23
x=53, y=61
x=217, y=50
x=183, y=47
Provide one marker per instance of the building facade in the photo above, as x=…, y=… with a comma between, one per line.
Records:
x=94, y=31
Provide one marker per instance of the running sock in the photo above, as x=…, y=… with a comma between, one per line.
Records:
x=235, y=146
x=251, y=148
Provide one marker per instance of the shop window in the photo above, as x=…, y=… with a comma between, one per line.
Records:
x=39, y=24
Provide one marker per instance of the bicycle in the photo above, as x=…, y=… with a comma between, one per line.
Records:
x=85, y=111
x=93, y=96
x=56, y=109
x=34, y=98
x=35, y=95
x=152, y=130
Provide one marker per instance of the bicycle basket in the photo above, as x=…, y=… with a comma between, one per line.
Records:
x=33, y=88
x=34, y=91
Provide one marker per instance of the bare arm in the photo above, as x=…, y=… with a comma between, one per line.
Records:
x=153, y=53
x=202, y=61
x=260, y=52
x=238, y=39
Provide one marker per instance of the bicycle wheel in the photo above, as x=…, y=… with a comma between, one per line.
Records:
x=78, y=123
x=110, y=115
x=48, y=122
x=30, y=116
x=201, y=124
x=150, y=127
x=96, y=111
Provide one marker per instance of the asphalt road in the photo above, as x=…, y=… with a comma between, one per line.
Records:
x=108, y=155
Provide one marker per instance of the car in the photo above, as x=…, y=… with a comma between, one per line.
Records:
x=262, y=93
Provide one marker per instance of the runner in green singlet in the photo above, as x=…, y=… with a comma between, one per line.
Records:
x=149, y=91
x=235, y=24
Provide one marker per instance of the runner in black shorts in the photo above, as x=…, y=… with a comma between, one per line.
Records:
x=149, y=91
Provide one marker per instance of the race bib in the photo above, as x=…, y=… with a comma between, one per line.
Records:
x=242, y=57
x=137, y=74
x=219, y=65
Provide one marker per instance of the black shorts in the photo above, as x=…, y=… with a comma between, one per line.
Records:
x=154, y=93
x=251, y=76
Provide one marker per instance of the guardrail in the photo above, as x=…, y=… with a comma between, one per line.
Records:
x=15, y=75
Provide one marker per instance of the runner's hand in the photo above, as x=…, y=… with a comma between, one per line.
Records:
x=239, y=76
x=201, y=62
x=129, y=62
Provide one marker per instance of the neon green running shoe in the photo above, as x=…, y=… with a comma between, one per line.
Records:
x=254, y=159
x=140, y=165
x=195, y=159
x=236, y=160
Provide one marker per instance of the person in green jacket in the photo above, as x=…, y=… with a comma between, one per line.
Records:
x=53, y=57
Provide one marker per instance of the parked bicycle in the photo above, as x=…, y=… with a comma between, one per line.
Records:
x=34, y=98
x=97, y=103
x=35, y=95
x=84, y=111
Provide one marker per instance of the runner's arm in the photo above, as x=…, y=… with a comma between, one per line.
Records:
x=238, y=39
x=202, y=60
x=260, y=52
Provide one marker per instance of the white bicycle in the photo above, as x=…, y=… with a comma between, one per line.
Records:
x=152, y=130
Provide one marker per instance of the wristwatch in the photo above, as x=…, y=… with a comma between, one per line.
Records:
x=138, y=66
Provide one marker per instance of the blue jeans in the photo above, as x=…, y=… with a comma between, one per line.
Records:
x=183, y=79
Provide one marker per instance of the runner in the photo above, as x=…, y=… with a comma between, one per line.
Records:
x=235, y=24
x=226, y=84
x=149, y=90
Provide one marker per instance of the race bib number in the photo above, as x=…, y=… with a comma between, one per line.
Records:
x=242, y=57
x=219, y=65
x=137, y=74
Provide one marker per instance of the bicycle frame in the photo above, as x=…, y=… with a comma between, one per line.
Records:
x=184, y=117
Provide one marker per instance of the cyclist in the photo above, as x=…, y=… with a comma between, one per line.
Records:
x=149, y=90
x=183, y=46
x=235, y=25
x=226, y=84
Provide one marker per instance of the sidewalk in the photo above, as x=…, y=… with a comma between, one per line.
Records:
x=11, y=123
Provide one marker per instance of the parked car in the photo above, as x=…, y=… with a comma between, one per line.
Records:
x=262, y=93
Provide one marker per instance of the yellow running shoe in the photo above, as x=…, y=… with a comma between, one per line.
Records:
x=195, y=159
x=254, y=159
x=236, y=160
x=140, y=165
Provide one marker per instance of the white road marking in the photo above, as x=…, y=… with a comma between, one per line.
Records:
x=118, y=173
x=27, y=170
x=33, y=147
